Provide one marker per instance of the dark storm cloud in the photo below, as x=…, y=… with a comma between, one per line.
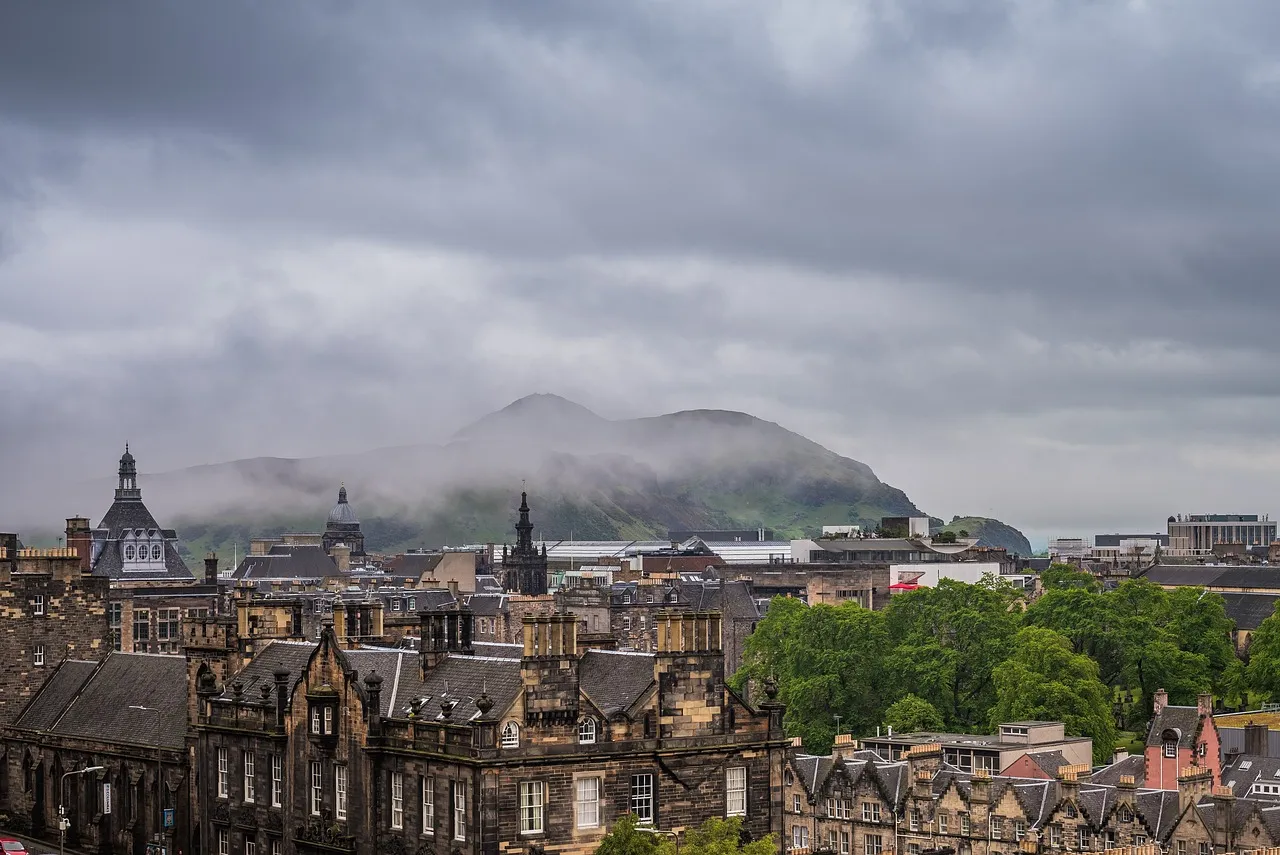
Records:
x=924, y=231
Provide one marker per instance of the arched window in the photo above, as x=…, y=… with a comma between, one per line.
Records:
x=155, y=552
x=511, y=735
x=587, y=731
x=128, y=553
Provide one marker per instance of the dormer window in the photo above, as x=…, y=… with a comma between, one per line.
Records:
x=323, y=711
x=128, y=553
x=587, y=731
x=155, y=552
x=511, y=735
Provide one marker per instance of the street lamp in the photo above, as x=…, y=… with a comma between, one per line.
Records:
x=161, y=834
x=62, y=807
x=674, y=835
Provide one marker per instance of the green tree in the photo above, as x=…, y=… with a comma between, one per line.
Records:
x=911, y=714
x=1044, y=679
x=1066, y=577
x=718, y=837
x=1262, y=675
x=946, y=641
x=625, y=839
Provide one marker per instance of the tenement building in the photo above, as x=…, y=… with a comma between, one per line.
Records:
x=855, y=802
x=464, y=747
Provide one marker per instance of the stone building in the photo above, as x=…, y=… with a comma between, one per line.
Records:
x=854, y=801
x=524, y=566
x=343, y=527
x=475, y=748
x=129, y=546
x=49, y=610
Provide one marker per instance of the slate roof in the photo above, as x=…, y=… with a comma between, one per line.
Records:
x=1248, y=769
x=1216, y=575
x=1250, y=610
x=56, y=693
x=287, y=562
x=127, y=514
x=109, y=561
x=1048, y=761
x=414, y=563
x=614, y=680
x=733, y=599
x=101, y=708
x=1159, y=808
x=1135, y=765
x=291, y=655
x=487, y=605
x=486, y=584
x=1185, y=721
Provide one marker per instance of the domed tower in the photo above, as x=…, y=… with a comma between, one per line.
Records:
x=343, y=526
x=128, y=488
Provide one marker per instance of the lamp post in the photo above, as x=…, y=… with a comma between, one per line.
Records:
x=62, y=807
x=674, y=835
x=161, y=834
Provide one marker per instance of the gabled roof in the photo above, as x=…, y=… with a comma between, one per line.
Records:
x=1249, y=610
x=1159, y=810
x=614, y=680
x=1248, y=769
x=1135, y=765
x=56, y=694
x=1183, y=721
x=106, y=707
x=287, y=562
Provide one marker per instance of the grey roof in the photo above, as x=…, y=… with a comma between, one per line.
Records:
x=486, y=584
x=290, y=655
x=733, y=599
x=104, y=708
x=1159, y=810
x=1180, y=574
x=125, y=514
x=1249, y=610
x=487, y=605
x=342, y=512
x=56, y=693
x=1216, y=575
x=287, y=562
x=614, y=680
x=1136, y=765
x=1248, y=769
x=1048, y=761
x=1184, y=721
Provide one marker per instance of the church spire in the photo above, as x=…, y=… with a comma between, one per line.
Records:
x=524, y=528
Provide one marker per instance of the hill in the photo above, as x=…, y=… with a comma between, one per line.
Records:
x=589, y=478
x=990, y=533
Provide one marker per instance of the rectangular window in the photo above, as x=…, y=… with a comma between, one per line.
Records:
x=224, y=773
x=1171, y=749
x=844, y=843
x=277, y=780
x=1019, y=830
x=277, y=846
x=587, y=802
x=397, y=799
x=168, y=634
x=799, y=837
x=316, y=796
x=964, y=824
x=250, y=846
x=872, y=844
x=943, y=819
x=250, y=785
x=141, y=630
x=1204, y=848
x=1182, y=847
x=642, y=798
x=531, y=807
x=37, y=655
x=795, y=804
x=735, y=786
x=114, y=619
x=315, y=719
x=340, y=794
x=37, y=605
x=428, y=805
x=224, y=842
x=1082, y=841
x=459, y=810
x=915, y=820
x=997, y=827
x=870, y=811
x=1055, y=836
x=328, y=720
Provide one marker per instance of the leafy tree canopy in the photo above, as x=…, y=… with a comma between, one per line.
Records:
x=912, y=713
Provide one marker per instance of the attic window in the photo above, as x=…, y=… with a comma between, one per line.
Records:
x=587, y=731
x=511, y=735
x=322, y=718
x=1170, y=749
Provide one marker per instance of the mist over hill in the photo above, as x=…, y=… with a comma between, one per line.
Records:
x=588, y=477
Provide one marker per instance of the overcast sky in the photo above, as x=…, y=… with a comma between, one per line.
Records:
x=1022, y=257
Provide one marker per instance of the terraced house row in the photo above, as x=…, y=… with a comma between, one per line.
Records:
x=856, y=803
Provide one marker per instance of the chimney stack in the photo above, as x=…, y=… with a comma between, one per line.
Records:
x=1160, y=701
x=80, y=539
x=211, y=568
x=341, y=554
x=1256, y=737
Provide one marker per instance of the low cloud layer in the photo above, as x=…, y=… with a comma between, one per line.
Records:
x=1020, y=257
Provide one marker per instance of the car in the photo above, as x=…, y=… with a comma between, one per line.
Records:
x=9, y=846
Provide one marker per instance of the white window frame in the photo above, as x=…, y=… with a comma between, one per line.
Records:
x=511, y=735
x=250, y=788
x=735, y=791
x=642, y=801
x=277, y=780
x=943, y=820
x=428, y=805
x=460, y=811
x=315, y=796
x=37, y=657
x=532, y=807
x=328, y=719
x=872, y=844
x=870, y=811
x=1170, y=750
x=397, y=800
x=37, y=605
x=799, y=837
x=844, y=843
x=587, y=731
x=224, y=773
x=277, y=846
x=586, y=802
x=339, y=791
x=250, y=845
x=224, y=842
